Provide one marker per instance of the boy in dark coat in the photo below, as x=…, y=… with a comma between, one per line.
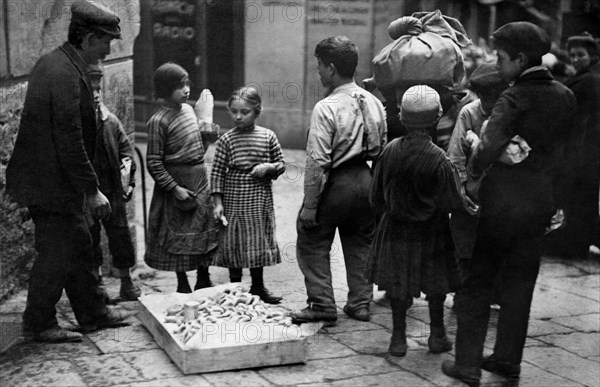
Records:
x=113, y=149
x=517, y=203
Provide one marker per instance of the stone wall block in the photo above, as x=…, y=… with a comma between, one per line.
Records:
x=37, y=27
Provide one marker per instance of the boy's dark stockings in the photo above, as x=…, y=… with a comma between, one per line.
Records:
x=398, y=346
x=438, y=341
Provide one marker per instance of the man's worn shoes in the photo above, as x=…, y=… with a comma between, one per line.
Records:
x=469, y=375
x=508, y=370
x=310, y=315
x=57, y=335
x=360, y=314
x=114, y=318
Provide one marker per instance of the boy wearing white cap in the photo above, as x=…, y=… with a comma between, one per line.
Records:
x=414, y=187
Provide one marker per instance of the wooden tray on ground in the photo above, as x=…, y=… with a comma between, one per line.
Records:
x=224, y=345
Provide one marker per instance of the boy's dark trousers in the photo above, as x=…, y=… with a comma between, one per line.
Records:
x=513, y=245
x=344, y=205
x=117, y=232
x=65, y=261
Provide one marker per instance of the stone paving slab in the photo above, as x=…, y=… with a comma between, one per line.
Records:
x=532, y=375
x=327, y=370
x=324, y=346
x=585, y=322
x=124, y=339
x=579, y=343
x=239, y=378
x=187, y=381
x=47, y=373
x=145, y=362
x=568, y=365
x=107, y=370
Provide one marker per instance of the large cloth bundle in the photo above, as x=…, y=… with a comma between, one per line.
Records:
x=427, y=50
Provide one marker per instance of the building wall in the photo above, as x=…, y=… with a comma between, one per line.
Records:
x=279, y=42
x=30, y=29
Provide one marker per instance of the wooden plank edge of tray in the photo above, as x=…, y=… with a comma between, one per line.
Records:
x=223, y=358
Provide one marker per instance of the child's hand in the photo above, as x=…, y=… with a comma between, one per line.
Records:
x=218, y=211
x=128, y=194
x=259, y=171
x=468, y=204
x=182, y=193
x=471, y=138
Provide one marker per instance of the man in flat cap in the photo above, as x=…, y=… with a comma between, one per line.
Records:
x=51, y=173
x=516, y=203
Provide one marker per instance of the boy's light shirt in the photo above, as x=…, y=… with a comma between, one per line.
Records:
x=335, y=136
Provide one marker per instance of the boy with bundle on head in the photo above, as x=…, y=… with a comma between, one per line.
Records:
x=415, y=186
x=516, y=203
x=182, y=234
x=113, y=149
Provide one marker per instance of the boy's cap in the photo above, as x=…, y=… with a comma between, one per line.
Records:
x=523, y=37
x=94, y=71
x=97, y=17
x=421, y=107
x=585, y=40
x=486, y=76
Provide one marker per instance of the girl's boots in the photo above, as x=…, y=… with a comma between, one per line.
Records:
x=235, y=275
x=203, y=278
x=258, y=287
x=438, y=341
x=183, y=285
x=398, y=346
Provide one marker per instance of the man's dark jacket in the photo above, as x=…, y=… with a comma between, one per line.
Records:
x=540, y=110
x=56, y=140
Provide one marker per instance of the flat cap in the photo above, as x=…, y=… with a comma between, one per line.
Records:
x=523, y=37
x=585, y=40
x=96, y=17
x=486, y=76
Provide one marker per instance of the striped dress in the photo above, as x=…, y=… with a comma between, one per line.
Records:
x=179, y=239
x=249, y=239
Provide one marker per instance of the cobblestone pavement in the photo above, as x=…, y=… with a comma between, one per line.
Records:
x=562, y=349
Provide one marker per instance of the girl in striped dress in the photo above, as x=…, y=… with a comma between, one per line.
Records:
x=182, y=234
x=247, y=159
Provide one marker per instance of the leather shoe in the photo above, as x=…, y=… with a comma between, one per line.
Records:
x=57, y=335
x=113, y=319
x=438, y=341
x=469, y=375
x=310, y=315
x=129, y=292
x=360, y=314
x=508, y=370
x=265, y=295
x=398, y=345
